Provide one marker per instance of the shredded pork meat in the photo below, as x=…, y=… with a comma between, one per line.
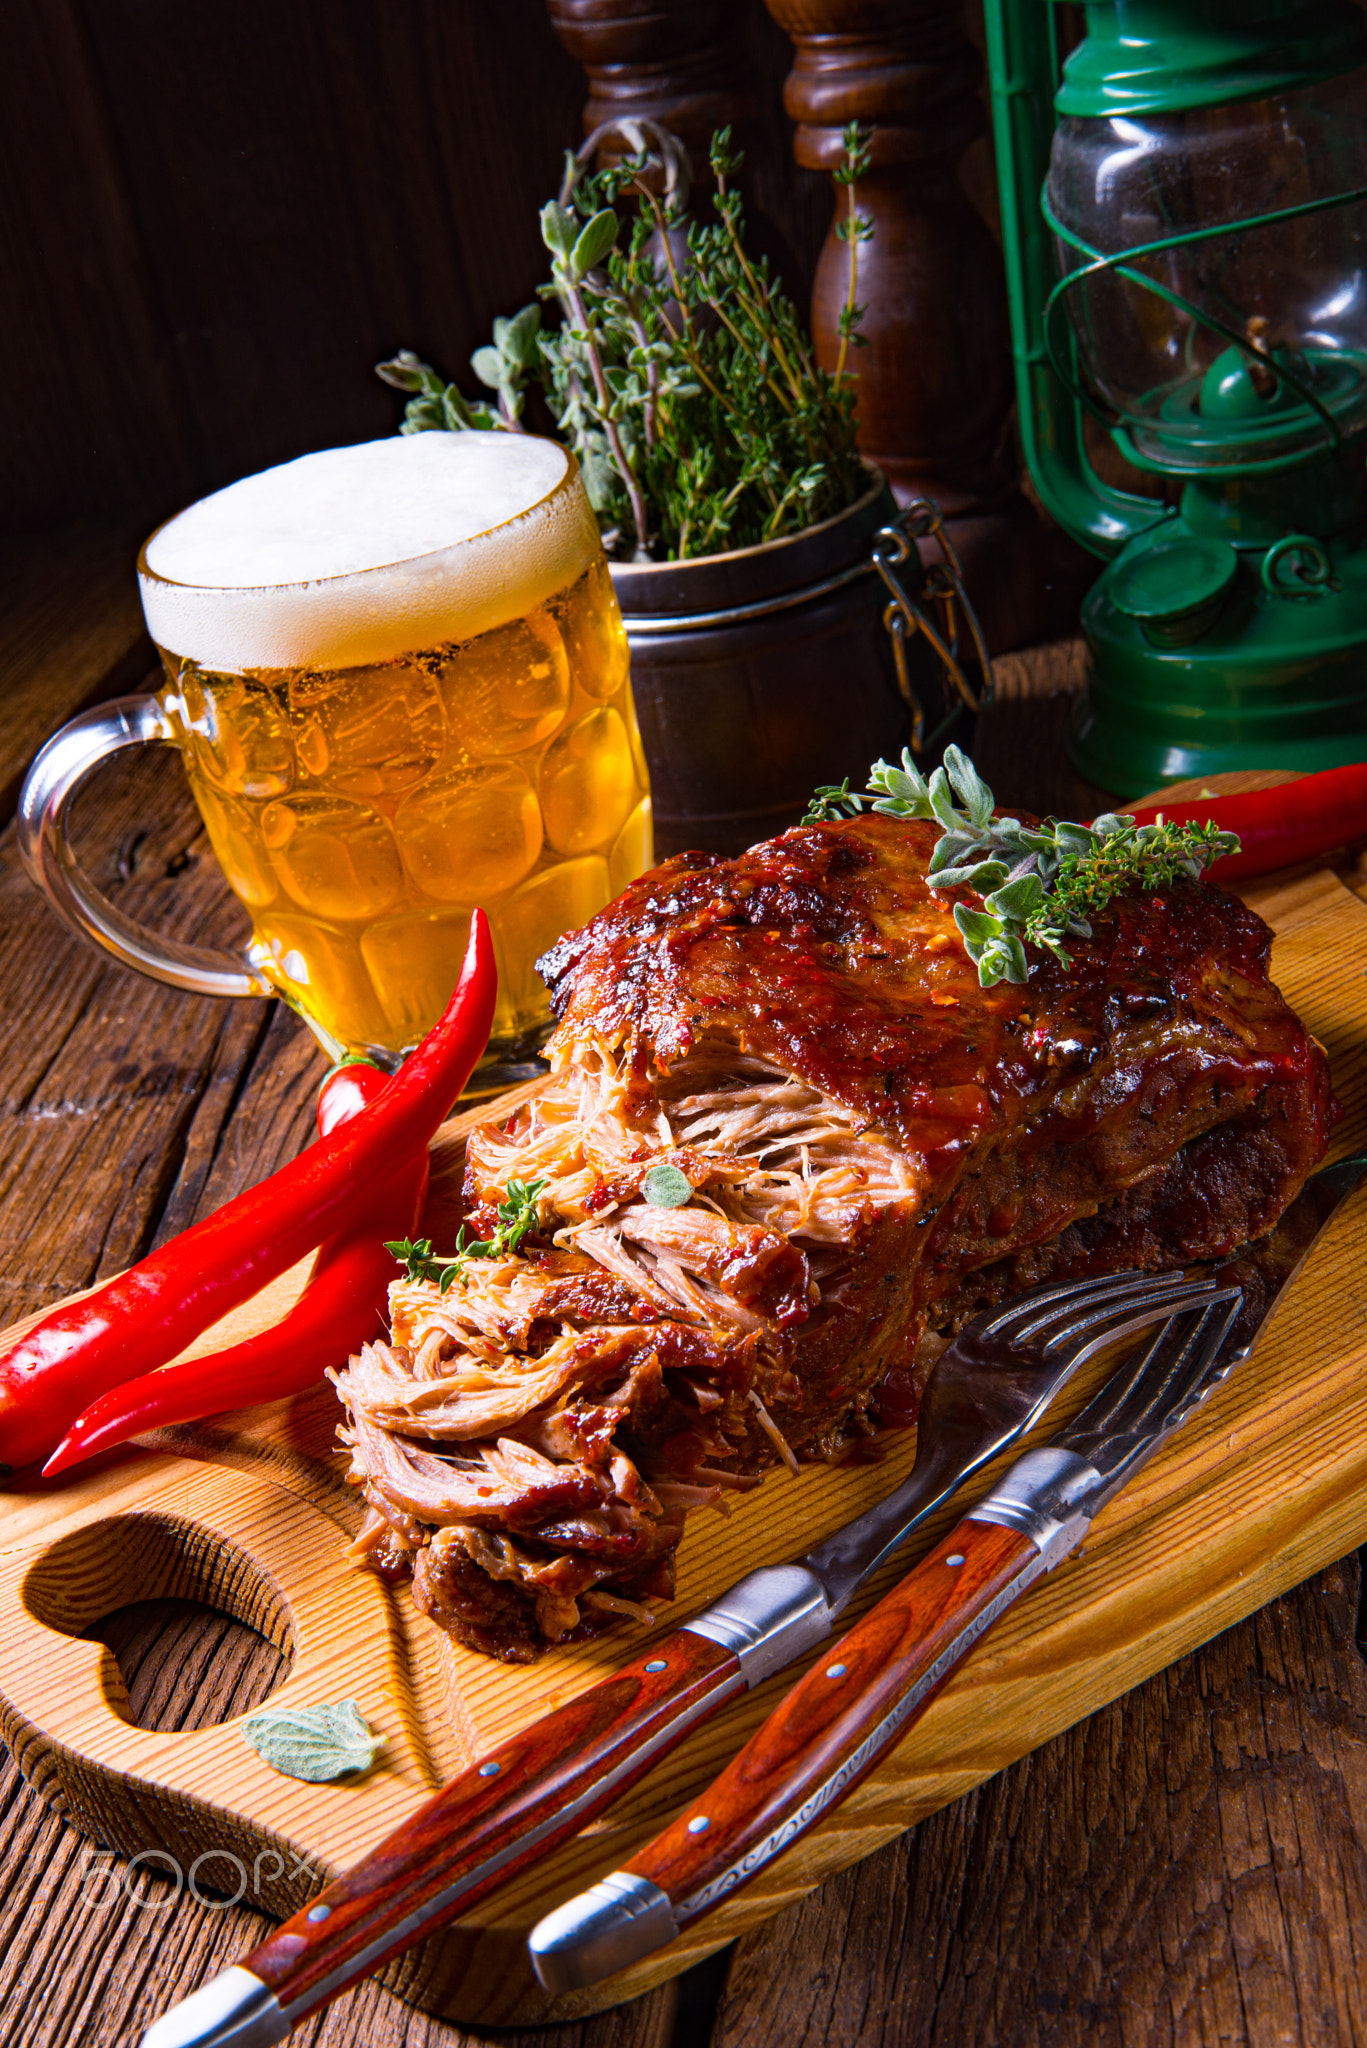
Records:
x=874, y=1146
x=615, y=1369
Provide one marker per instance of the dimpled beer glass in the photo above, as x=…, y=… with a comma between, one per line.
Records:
x=398, y=680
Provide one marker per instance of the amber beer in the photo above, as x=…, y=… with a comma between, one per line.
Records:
x=398, y=677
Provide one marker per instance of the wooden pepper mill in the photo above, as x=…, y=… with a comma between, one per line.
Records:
x=934, y=379
x=678, y=62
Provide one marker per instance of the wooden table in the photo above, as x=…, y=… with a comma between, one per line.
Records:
x=1188, y=1866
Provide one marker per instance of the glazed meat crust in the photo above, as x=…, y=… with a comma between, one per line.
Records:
x=876, y=1146
x=1022, y=1109
x=826, y=953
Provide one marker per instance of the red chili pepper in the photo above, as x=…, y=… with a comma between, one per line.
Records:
x=340, y=1307
x=346, y=1091
x=1290, y=822
x=149, y=1314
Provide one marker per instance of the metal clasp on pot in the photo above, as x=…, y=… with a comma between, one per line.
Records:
x=892, y=548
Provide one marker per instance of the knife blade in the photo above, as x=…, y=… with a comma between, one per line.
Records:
x=860, y=1699
x=555, y=1775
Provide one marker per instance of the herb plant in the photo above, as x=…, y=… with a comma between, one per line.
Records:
x=516, y=1217
x=1040, y=884
x=678, y=372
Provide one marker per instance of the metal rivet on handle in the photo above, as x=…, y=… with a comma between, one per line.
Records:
x=699, y=1824
x=657, y=1664
x=835, y=1671
x=488, y=1770
x=319, y=1913
x=956, y=1559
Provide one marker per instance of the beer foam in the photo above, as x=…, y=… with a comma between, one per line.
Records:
x=363, y=554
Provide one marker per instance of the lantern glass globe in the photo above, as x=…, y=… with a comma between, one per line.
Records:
x=1167, y=361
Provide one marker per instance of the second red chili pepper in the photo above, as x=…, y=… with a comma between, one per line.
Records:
x=147, y=1315
x=339, y=1309
x=1291, y=821
x=346, y=1091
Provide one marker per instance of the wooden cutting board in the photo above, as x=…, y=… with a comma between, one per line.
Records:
x=250, y=1513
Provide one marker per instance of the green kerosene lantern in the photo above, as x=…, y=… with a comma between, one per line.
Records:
x=1185, y=221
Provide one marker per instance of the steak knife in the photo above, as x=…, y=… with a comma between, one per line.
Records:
x=861, y=1698
x=547, y=1781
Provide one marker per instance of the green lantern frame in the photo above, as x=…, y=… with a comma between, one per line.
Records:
x=1229, y=632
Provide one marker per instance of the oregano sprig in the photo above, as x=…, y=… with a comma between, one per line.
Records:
x=516, y=1217
x=1039, y=885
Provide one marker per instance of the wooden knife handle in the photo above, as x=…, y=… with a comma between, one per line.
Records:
x=831, y=1729
x=514, y=1805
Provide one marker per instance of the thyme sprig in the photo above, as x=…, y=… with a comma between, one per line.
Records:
x=1040, y=884
x=852, y=228
x=516, y=1217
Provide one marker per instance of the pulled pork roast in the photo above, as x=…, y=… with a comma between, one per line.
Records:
x=876, y=1146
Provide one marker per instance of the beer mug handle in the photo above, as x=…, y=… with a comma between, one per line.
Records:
x=48, y=855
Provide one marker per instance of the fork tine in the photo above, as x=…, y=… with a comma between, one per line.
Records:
x=1166, y=1374
x=1106, y=1325
x=1215, y=1366
x=1023, y=1313
x=1038, y=1325
x=1115, y=1318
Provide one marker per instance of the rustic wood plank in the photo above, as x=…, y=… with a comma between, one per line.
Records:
x=71, y=632
x=96, y=416
x=226, y=219
x=1188, y=1866
x=107, y=1075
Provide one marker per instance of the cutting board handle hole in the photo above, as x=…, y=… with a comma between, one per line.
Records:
x=186, y=1665
x=82, y=1584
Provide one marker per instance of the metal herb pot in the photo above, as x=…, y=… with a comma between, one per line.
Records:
x=762, y=673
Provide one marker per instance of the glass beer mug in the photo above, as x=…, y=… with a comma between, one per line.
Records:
x=398, y=680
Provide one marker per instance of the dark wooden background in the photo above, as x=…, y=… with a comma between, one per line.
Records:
x=218, y=217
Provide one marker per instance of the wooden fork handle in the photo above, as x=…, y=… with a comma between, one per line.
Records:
x=857, y=1701
x=502, y=1813
x=860, y=1698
